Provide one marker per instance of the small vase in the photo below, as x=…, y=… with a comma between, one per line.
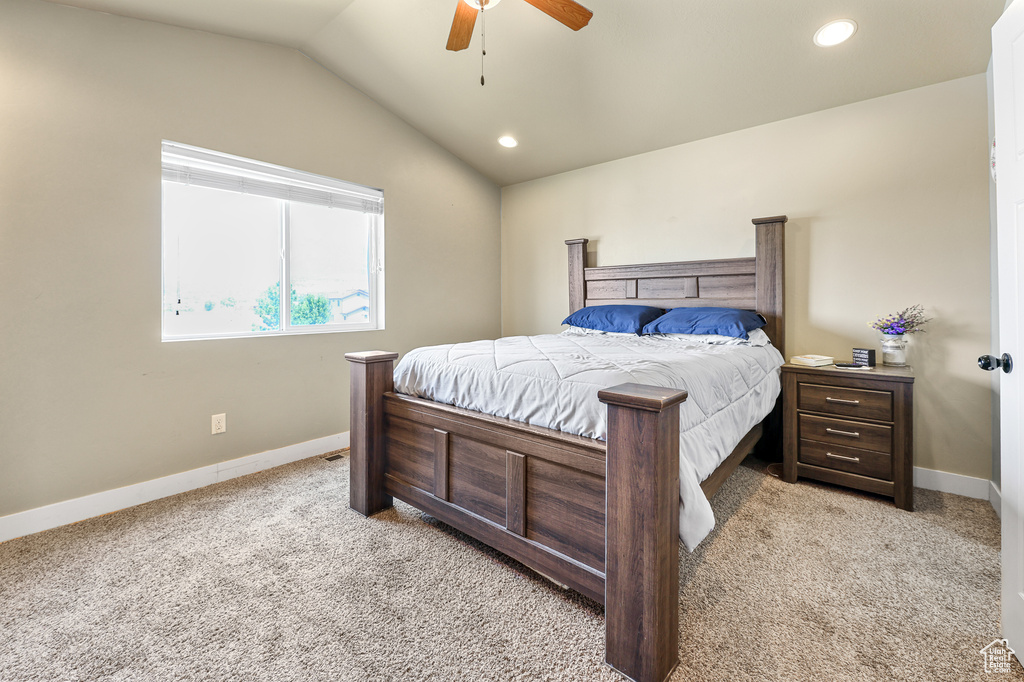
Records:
x=894, y=350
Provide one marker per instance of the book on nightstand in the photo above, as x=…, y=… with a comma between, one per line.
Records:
x=812, y=360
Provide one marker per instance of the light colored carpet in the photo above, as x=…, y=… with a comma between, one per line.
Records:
x=272, y=577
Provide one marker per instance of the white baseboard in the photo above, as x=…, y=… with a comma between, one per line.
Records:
x=995, y=498
x=945, y=482
x=81, y=508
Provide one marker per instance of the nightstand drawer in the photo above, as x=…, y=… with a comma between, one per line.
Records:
x=849, y=402
x=877, y=437
x=841, y=458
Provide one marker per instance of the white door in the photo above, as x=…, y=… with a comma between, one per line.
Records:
x=1008, y=91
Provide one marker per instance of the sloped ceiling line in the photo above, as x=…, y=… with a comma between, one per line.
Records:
x=642, y=76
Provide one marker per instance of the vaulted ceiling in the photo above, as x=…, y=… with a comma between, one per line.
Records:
x=644, y=75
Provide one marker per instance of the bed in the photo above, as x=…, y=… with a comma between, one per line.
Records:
x=601, y=516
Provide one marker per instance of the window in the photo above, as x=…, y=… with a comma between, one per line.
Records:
x=252, y=249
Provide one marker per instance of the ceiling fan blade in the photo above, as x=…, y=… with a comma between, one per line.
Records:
x=572, y=14
x=462, y=27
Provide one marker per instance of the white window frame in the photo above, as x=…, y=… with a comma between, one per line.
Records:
x=205, y=167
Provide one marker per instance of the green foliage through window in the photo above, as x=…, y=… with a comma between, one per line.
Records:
x=310, y=309
x=268, y=308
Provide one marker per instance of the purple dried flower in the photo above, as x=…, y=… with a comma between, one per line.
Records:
x=906, y=321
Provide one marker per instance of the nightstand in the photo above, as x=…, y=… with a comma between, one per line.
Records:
x=850, y=427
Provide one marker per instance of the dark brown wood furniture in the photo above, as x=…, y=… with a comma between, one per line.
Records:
x=599, y=517
x=851, y=427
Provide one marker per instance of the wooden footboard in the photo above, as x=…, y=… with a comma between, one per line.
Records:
x=599, y=518
x=534, y=494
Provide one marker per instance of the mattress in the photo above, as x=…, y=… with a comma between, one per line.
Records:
x=552, y=381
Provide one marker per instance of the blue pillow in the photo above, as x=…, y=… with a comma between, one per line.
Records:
x=721, y=321
x=629, y=319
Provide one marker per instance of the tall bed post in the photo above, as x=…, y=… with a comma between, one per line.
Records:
x=577, y=263
x=372, y=375
x=771, y=276
x=642, y=530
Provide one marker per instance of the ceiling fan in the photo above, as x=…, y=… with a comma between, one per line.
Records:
x=572, y=14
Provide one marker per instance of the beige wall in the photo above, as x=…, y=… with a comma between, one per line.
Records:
x=90, y=399
x=888, y=206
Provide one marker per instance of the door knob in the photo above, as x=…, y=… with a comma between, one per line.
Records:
x=991, y=362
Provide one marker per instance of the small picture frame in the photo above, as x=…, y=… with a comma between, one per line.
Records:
x=865, y=357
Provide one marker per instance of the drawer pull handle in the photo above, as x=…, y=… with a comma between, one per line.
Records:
x=851, y=434
x=842, y=457
x=829, y=399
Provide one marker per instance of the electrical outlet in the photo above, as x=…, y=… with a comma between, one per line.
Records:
x=219, y=423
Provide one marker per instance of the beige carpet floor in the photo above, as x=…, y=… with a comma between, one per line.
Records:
x=272, y=577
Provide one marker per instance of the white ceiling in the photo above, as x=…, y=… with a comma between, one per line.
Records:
x=644, y=75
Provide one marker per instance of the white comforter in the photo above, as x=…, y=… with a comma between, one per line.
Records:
x=553, y=380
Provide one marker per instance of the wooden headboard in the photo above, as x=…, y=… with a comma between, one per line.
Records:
x=747, y=283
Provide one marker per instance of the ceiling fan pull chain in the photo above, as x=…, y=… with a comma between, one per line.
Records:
x=483, y=44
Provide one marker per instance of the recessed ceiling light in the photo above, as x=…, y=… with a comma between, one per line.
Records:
x=508, y=141
x=835, y=32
